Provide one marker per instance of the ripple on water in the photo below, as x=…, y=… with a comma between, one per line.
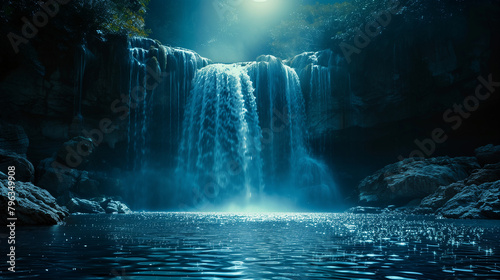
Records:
x=277, y=246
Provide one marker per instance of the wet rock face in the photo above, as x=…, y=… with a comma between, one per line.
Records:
x=54, y=101
x=476, y=197
x=474, y=202
x=439, y=198
x=34, y=206
x=456, y=187
x=402, y=182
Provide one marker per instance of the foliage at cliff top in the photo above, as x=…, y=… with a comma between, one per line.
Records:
x=79, y=18
x=128, y=17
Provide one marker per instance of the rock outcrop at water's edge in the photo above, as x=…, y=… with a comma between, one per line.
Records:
x=473, y=196
x=33, y=205
x=404, y=181
x=478, y=196
x=97, y=206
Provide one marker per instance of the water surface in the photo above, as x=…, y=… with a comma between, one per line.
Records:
x=258, y=246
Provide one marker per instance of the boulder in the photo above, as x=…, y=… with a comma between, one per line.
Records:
x=25, y=172
x=115, y=207
x=474, y=202
x=78, y=205
x=34, y=205
x=411, y=179
x=488, y=154
x=97, y=205
x=474, y=197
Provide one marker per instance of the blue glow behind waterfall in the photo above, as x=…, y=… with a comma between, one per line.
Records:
x=214, y=137
x=244, y=140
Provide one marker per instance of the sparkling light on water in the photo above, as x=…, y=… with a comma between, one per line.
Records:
x=261, y=245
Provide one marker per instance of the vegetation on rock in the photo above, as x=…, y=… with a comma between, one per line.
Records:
x=125, y=17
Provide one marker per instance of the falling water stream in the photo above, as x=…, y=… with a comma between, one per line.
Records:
x=236, y=132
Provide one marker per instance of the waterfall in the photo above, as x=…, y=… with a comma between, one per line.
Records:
x=160, y=80
x=181, y=66
x=230, y=133
x=220, y=147
x=281, y=115
x=140, y=96
x=244, y=136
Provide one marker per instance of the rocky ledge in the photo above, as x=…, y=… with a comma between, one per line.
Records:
x=33, y=205
x=402, y=182
x=463, y=187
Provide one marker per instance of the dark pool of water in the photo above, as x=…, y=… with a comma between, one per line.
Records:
x=257, y=246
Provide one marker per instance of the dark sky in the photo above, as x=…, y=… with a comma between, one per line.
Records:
x=222, y=30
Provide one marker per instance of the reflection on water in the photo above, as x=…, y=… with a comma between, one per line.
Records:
x=258, y=246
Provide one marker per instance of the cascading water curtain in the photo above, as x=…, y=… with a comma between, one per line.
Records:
x=244, y=136
x=220, y=147
x=138, y=117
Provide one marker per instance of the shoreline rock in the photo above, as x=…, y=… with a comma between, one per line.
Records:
x=457, y=188
x=97, y=206
x=411, y=179
x=34, y=205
